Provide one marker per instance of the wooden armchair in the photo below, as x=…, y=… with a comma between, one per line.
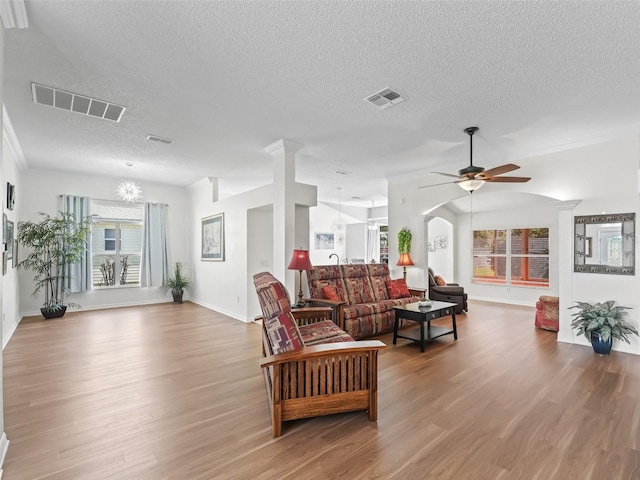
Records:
x=313, y=380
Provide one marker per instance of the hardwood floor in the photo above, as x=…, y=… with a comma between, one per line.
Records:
x=175, y=392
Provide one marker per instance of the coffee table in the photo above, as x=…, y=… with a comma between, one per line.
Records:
x=424, y=332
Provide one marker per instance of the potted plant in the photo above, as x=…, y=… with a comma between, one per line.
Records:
x=404, y=240
x=601, y=323
x=54, y=243
x=178, y=283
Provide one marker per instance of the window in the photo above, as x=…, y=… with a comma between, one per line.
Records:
x=109, y=239
x=516, y=257
x=116, y=243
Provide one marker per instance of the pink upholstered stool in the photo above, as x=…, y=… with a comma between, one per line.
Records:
x=547, y=314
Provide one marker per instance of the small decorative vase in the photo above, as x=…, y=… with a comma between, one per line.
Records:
x=599, y=346
x=57, y=313
x=177, y=296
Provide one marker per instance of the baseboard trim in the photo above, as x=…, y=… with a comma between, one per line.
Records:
x=5, y=340
x=4, y=447
x=502, y=300
x=110, y=305
x=220, y=310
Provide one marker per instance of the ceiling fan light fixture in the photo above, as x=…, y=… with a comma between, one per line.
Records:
x=471, y=185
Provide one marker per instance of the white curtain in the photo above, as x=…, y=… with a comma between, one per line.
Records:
x=78, y=275
x=154, y=265
x=373, y=243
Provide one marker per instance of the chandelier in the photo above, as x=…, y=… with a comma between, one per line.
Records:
x=338, y=224
x=129, y=190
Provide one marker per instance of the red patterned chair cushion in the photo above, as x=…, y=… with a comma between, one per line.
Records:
x=280, y=325
x=378, y=276
x=323, y=332
x=397, y=288
x=359, y=290
x=356, y=282
x=326, y=276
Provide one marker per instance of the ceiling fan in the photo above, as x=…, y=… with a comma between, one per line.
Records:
x=472, y=178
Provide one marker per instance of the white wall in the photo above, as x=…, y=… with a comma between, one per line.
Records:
x=541, y=216
x=259, y=251
x=441, y=260
x=4, y=443
x=321, y=218
x=227, y=286
x=10, y=298
x=40, y=193
x=604, y=177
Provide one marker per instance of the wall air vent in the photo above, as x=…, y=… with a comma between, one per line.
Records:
x=155, y=138
x=72, y=102
x=385, y=98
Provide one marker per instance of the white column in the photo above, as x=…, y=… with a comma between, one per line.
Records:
x=284, y=208
x=425, y=250
x=565, y=267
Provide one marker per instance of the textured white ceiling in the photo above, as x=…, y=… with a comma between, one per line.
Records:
x=226, y=79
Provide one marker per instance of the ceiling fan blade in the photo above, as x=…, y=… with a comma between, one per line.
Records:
x=507, y=179
x=437, y=184
x=447, y=175
x=492, y=172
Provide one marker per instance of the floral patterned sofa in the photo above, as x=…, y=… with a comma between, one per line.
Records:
x=363, y=296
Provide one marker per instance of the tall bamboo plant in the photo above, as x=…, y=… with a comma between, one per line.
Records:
x=54, y=243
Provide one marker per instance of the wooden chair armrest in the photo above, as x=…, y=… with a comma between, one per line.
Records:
x=323, y=350
x=308, y=315
x=325, y=301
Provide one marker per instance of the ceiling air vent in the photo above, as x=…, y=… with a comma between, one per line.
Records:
x=72, y=102
x=155, y=138
x=385, y=98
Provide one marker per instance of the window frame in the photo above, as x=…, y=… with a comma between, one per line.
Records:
x=508, y=257
x=117, y=225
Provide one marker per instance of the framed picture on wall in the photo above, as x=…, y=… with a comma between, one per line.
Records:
x=14, y=262
x=442, y=242
x=213, y=238
x=8, y=237
x=11, y=196
x=324, y=241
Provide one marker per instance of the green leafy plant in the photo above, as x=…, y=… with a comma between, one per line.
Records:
x=404, y=240
x=604, y=319
x=54, y=244
x=179, y=281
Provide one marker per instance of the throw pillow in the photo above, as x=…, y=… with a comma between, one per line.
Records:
x=397, y=288
x=440, y=281
x=330, y=294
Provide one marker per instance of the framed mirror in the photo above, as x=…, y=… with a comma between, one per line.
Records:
x=605, y=244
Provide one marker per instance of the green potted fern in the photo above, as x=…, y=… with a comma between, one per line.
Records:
x=601, y=323
x=178, y=283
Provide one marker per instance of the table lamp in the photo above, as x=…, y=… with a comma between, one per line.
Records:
x=300, y=261
x=405, y=261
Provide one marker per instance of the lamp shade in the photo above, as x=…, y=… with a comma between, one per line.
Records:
x=300, y=261
x=405, y=260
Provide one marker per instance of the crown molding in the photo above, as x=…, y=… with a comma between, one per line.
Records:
x=283, y=145
x=13, y=14
x=9, y=136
